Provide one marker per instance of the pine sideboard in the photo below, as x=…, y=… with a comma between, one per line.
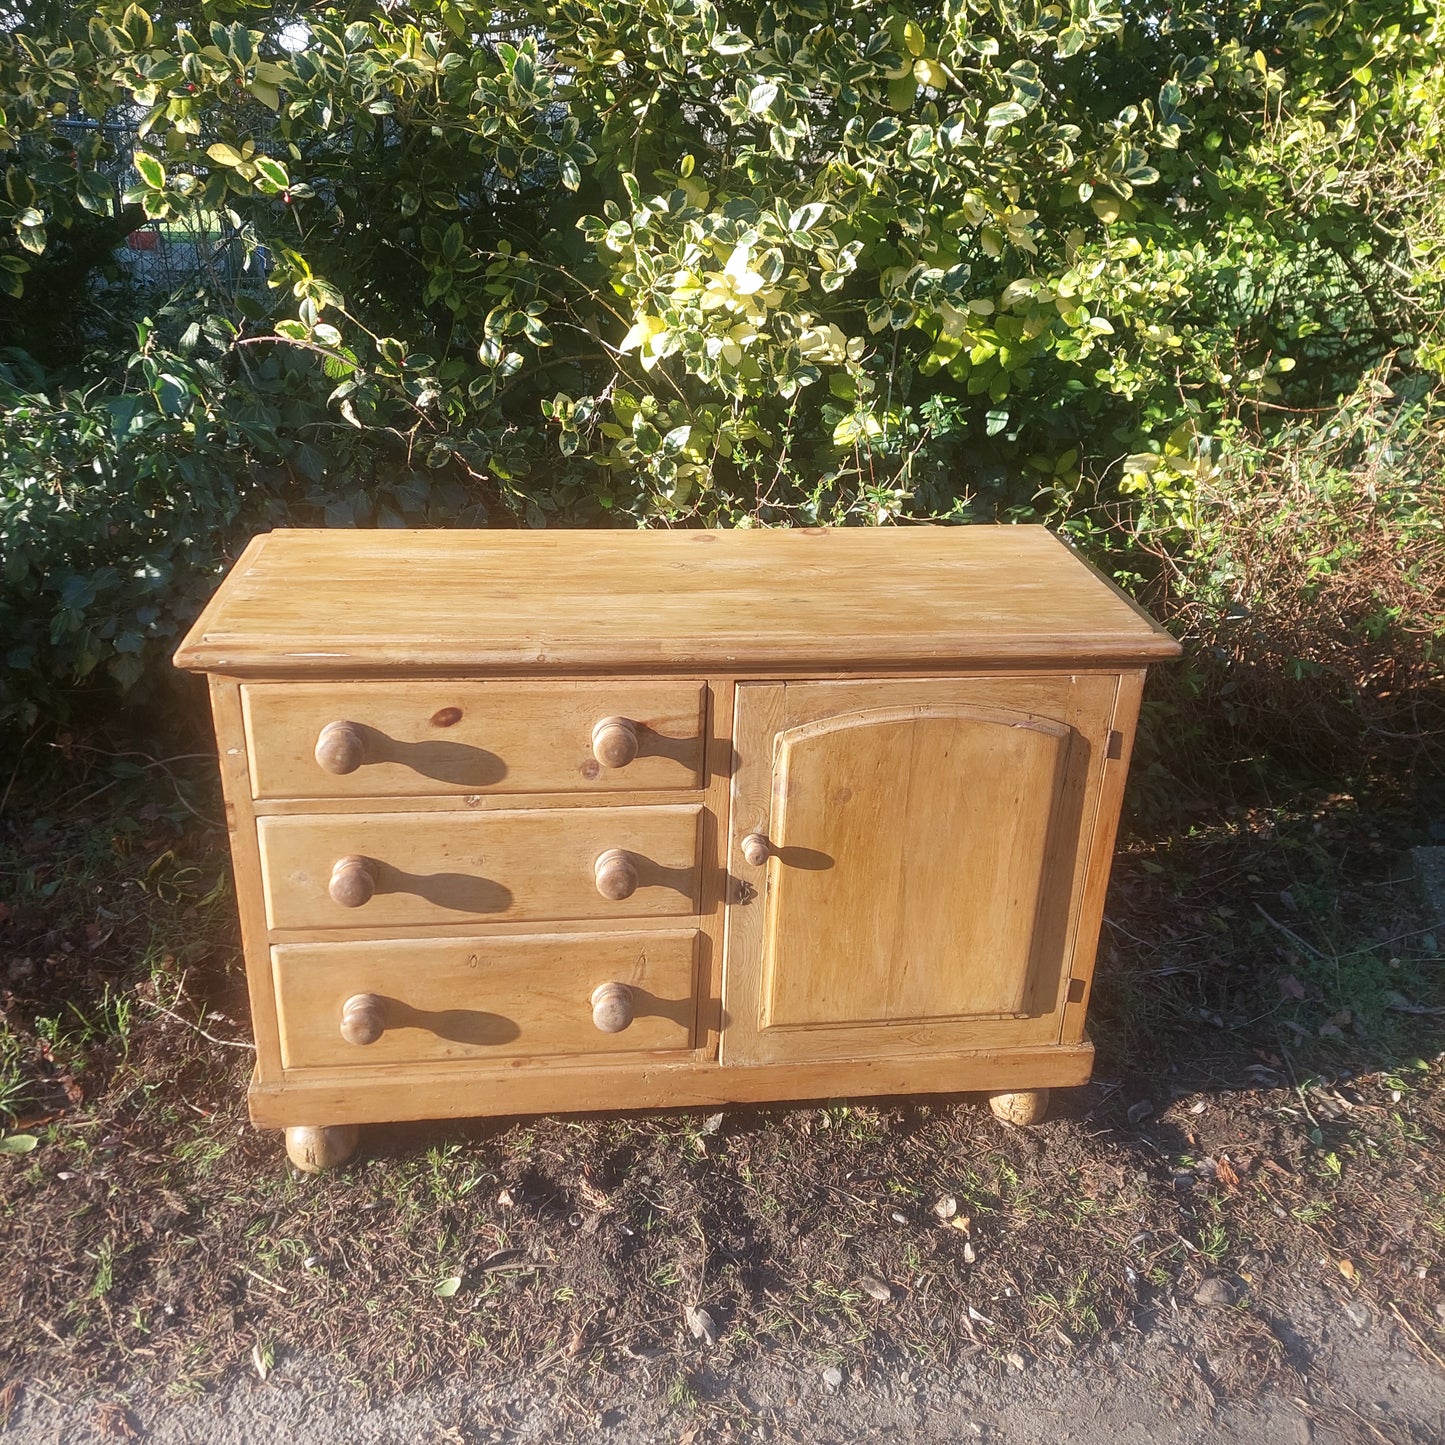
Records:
x=534, y=821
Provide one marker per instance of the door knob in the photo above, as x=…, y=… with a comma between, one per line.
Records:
x=616, y=874
x=363, y=1018
x=612, y=1007
x=340, y=747
x=353, y=881
x=614, y=742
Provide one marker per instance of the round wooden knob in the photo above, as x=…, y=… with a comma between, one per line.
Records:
x=612, y=1007
x=352, y=881
x=616, y=874
x=363, y=1018
x=614, y=742
x=756, y=849
x=340, y=748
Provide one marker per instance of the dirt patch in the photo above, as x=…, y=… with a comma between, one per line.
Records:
x=1246, y=1206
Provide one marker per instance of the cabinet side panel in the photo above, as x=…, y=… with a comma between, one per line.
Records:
x=246, y=867
x=1101, y=854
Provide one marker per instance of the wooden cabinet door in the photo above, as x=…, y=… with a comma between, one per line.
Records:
x=925, y=854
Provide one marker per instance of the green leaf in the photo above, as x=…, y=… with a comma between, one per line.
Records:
x=18, y=1143
x=1311, y=17
x=103, y=39
x=761, y=97
x=732, y=42
x=806, y=217
x=137, y=25
x=273, y=173
x=1008, y=112
x=293, y=330
x=882, y=131
x=446, y=1288
x=1071, y=41
x=150, y=170
x=224, y=155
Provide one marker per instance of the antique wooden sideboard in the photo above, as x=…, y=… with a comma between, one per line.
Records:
x=532, y=821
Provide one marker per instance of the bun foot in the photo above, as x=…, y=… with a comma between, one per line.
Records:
x=314, y=1150
x=1028, y=1106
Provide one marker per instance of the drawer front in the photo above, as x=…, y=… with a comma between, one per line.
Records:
x=381, y=870
x=481, y=999
x=427, y=738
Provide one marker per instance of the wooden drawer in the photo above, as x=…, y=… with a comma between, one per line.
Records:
x=400, y=869
x=429, y=738
x=481, y=999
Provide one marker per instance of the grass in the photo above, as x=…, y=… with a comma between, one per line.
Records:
x=1281, y=1144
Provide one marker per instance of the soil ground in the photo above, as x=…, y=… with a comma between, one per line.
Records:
x=1235, y=1232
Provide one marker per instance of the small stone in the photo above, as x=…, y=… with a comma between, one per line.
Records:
x=1215, y=1293
x=832, y=1379
x=1359, y=1314
x=876, y=1288
x=1016, y=1361
x=946, y=1207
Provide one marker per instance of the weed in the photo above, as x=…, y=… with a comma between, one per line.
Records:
x=13, y=1086
x=104, y=1279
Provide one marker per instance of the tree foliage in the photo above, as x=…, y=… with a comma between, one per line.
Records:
x=665, y=261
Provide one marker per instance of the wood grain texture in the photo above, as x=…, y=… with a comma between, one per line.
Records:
x=908, y=852
x=478, y=999
x=1099, y=857
x=332, y=603
x=559, y=1086
x=968, y=815
x=469, y=737
x=501, y=866
x=246, y=866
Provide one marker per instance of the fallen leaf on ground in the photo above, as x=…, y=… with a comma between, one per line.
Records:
x=1224, y=1171
x=701, y=1324
x=879, y=1289
x=1346, y=1268
x=946, y=1207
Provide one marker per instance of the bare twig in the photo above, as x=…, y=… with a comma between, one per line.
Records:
x=181, y=1019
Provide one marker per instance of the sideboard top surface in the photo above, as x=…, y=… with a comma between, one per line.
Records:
x=333, y=602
